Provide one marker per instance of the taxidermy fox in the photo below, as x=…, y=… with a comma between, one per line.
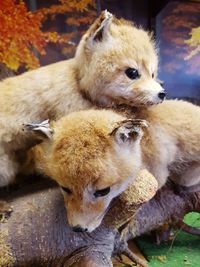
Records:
x=115, y=63
x=94, y=154
x=87, y=154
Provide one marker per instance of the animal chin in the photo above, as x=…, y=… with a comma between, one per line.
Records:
x=98, y=219
x=149, y=103
x=157, y=102
x=93, y=227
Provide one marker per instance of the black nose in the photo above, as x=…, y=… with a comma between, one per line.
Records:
x=79, y=229
x=162, y=95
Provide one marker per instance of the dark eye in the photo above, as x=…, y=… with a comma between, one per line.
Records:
x=102, y=192
x=153, y=75
x=67, y=190
x=132, y=73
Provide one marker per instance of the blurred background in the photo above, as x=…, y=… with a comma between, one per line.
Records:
x=39, y=32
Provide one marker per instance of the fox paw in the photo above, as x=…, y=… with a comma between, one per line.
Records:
x=42, y=128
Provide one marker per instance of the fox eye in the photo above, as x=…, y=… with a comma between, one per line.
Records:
x=102, y=192
x=153, y=75
x=67, y=190
x=132, y=73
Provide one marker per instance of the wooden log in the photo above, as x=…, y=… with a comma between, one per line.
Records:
x=37, y=233
x=167, y=207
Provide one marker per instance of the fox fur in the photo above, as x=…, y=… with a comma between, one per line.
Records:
x=100, y=149
x=96, y=76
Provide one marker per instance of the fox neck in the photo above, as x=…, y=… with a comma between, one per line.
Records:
x=71, y=99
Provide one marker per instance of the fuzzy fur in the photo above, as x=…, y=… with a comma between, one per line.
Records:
x=84, y=156
x=96, y=73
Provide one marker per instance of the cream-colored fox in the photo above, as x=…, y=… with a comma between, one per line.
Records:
x=94, y=154
x=115, y=63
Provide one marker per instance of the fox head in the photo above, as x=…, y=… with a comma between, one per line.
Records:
x=93, y=155
x=117, y=64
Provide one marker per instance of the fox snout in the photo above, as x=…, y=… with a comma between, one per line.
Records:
x=153, y=92
x=162, y=95
x=79, y=229
x=82, y=224
x=85, y=220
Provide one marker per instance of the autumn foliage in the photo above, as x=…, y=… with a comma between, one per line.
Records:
x=182, y=36
x=22, y=37
x=194, y=42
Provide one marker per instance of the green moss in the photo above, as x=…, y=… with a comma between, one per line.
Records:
x=182, y=250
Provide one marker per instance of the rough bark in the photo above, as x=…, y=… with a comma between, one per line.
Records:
x=36, y=233
x=167, y=207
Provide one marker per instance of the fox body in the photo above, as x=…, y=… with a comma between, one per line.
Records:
x=115, y=63
x=94, y=154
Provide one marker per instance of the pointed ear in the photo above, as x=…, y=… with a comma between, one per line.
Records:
x=42, y=130
x=99, y=29
x=129, y=130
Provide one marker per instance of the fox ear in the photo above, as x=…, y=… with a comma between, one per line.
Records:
x=99, y=28
x=129, y=130
x=42, y=130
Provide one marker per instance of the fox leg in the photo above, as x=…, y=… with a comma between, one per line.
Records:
x=161, y=174
x=10, y=160
x=8, y=169
x=189, y=181
x=191, y=176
